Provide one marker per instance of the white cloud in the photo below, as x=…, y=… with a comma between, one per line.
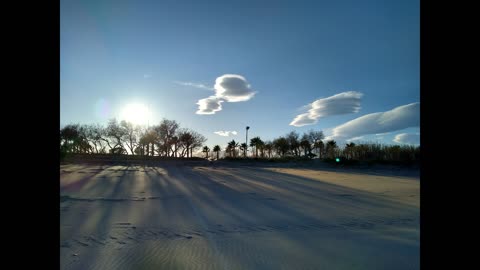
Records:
x=229, y=88
x=407, y=138
x=342, y=103
x=233, y=88
x=225, y=133
x=303, y=120
x=196, y=85
x=209, y=105
x=381, y=122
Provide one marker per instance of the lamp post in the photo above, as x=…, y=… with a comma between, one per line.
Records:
x=246, y=141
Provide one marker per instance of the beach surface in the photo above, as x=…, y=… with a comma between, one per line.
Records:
x=229, y=216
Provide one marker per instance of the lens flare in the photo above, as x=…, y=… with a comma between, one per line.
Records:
x=136, y=113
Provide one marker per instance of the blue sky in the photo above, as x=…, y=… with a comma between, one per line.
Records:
x=288, y=53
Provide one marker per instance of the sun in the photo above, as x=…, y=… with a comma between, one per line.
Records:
x=135, y=113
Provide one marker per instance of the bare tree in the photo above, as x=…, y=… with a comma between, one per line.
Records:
x=315, y=138
x=188, y=141
x=96, y=133
x=293, y=141
x=68, y=136
x=73, y=139
x=116, y=134
x=148, y=140
x=198, y=141
x=174, y=142
x=281, y=146
x=165, y=133
x=130, y=133
x=185, y=138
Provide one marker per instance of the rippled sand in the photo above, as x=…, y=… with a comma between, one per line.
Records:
x=236, y=217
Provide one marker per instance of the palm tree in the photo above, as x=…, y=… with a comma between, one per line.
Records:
x=233, y=145
x=349, y=147
x=261, y=146
x=256, y=142
x=268, y=147
x=243, y=148
x=331, y=146
x=305, y=144
x=319, y=145
x=216, y=149
x=206, y=150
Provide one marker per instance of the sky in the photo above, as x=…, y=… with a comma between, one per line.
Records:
x=348, y=68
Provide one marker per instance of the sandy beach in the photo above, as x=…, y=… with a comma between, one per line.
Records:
x=227, y=216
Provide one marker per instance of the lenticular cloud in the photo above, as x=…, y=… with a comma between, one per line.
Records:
x=342, y=103
x=228, y=88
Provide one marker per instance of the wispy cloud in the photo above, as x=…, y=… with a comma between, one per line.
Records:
x=381, y=122
x=407, y=138
x=342, y=103
x=225, y=133
x=196, y=85
x=228, y=88
x=355, y=138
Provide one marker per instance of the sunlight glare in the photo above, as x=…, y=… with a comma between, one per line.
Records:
x=136, y=113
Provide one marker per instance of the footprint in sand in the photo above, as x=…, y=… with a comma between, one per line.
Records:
x=83, y=244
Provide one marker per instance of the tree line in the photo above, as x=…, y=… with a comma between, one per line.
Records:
x=289, y=145
x=311, y=144
x=167, y=139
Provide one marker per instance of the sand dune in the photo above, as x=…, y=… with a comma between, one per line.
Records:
x=236, y=217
